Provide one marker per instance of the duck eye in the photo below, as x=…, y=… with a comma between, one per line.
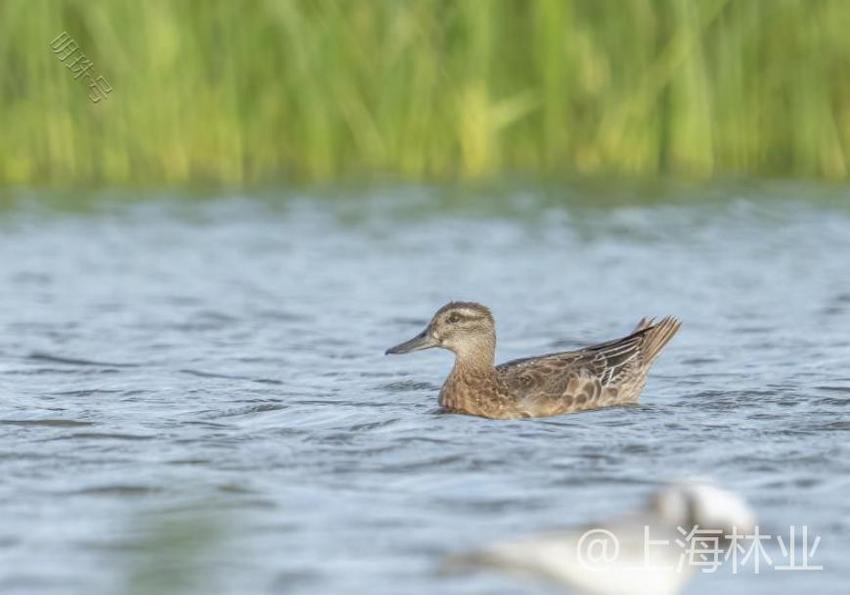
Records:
x=454, y=318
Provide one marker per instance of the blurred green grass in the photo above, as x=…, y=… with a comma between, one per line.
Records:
x=227, y=92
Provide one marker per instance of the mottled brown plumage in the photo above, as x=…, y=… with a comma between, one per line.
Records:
x=611, y=373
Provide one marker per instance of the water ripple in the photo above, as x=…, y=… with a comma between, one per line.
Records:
x=161, y=361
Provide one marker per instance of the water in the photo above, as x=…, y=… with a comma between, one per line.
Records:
x=194, y=396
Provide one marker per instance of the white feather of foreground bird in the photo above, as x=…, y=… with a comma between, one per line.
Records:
x=637, y=554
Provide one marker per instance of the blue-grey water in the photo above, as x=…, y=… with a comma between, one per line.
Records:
x=194, y=396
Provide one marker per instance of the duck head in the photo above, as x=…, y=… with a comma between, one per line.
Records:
x=466, y=328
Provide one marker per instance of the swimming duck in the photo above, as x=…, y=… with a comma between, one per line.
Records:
x=645, y=552
x=611, y=373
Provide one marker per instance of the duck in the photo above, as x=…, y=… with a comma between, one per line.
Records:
x=643, y=552
x=603, y=375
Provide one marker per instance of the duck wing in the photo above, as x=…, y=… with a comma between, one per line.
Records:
x=606, y=361
x=590, y=372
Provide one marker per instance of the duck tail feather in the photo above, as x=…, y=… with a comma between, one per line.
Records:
x=657, y=336
x=644, y=323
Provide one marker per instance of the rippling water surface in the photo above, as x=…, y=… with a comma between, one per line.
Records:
x=194, y=395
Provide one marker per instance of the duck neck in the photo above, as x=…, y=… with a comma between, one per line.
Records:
x=476, y=356
x=472, y=374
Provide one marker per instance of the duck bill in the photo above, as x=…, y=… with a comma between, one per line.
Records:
x=421, y=341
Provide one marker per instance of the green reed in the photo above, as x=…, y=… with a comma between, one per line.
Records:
x=221, y=91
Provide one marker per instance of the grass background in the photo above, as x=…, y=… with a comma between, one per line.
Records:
x=244, y=92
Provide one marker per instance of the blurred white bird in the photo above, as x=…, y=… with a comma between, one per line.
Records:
x=638, y=554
